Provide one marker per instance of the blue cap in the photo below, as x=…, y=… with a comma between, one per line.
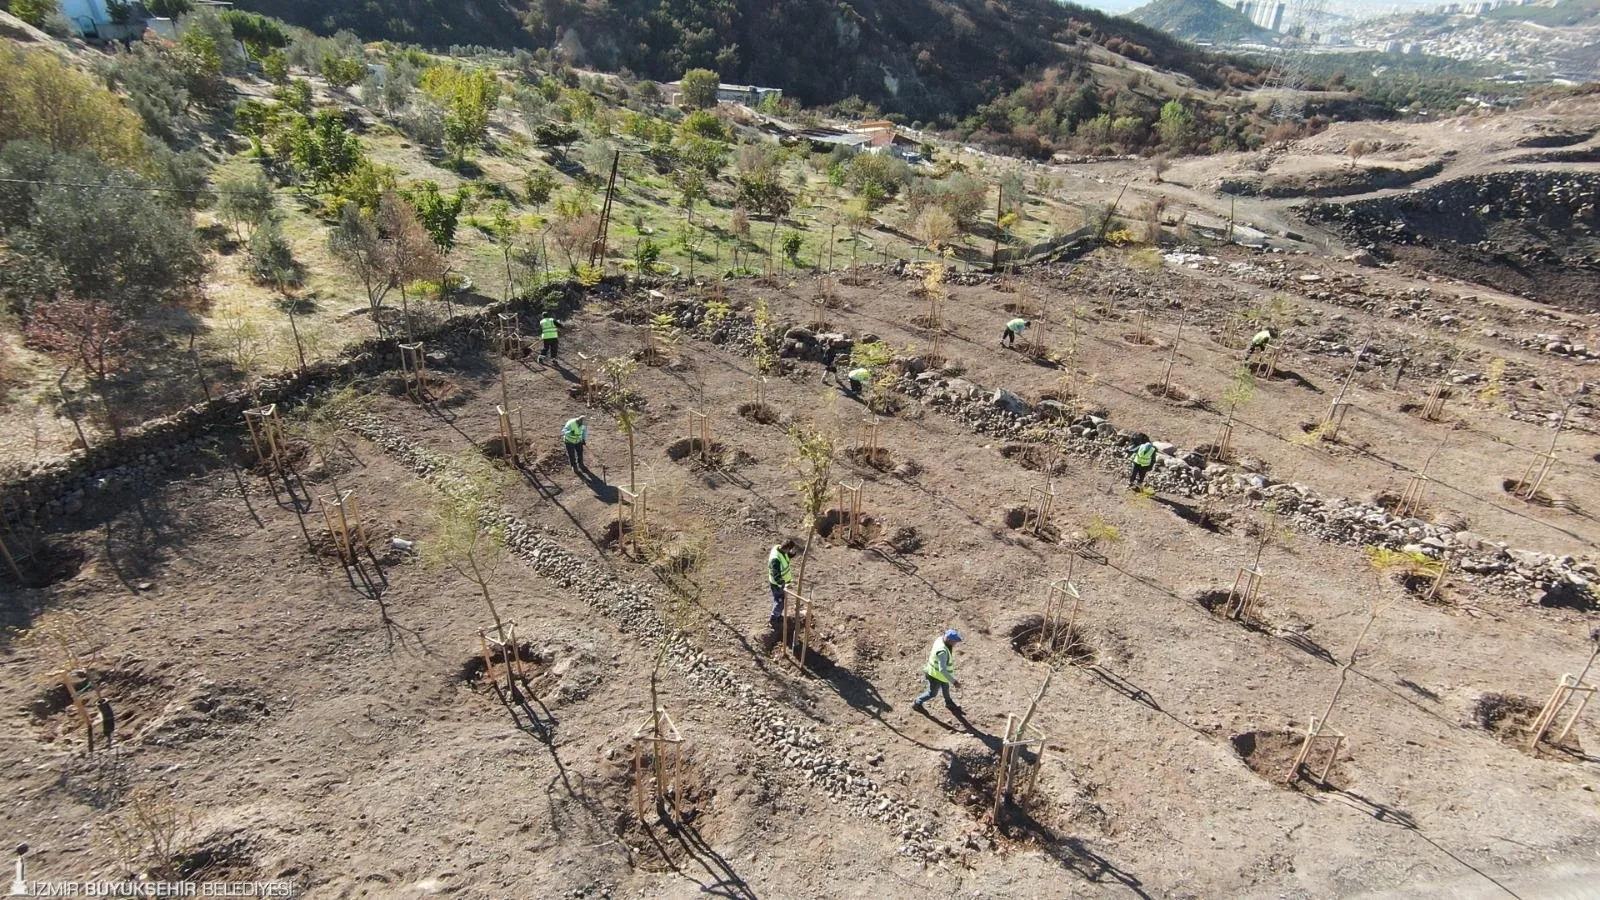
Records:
x=952, y=635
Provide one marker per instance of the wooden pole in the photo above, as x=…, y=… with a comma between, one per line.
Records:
x=598, y=251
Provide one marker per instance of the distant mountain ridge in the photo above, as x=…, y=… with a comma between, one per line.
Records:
x=922, y=58
x=1200, y=20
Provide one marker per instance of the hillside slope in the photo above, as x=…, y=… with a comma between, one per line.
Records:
x=1200, y=20
x=923, y=58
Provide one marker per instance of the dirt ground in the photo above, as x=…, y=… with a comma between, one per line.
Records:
x=336, y=729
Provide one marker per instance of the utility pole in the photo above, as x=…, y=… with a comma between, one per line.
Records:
x=597, y=253
x=994, y=256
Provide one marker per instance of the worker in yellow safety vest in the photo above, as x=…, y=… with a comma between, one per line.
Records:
x=941, y=672
x=1144, y=458
x=551, y=337
x=778, y=575
x=1259, y=342
x=575, y=434
x=1008, y=338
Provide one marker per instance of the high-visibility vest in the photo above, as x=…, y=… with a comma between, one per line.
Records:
x=547, y=328
x=574, y=432
x=1145, y=454
x=1261, y=338
x=861, y=375
x=1015, y=326
x=781, y=578
x=936, y=671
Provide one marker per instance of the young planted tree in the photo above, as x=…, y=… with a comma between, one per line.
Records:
x=618, y=372
x=813, y=460
x=468, y=535
x=505, y=229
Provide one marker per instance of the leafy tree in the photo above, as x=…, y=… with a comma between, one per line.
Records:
x=698, y=154
x=244, y=198
x=169, y=9
x=703, y=123
x=342, y=72
x=35, y=12
x=438, y=212
x=505, y=228
x=359, y=245
x=114, y=242
x=155, y=88
x=275, y=66
x=43, y=99
x=260, y=34
x=271, y=257
x=206, y=32
x=468, y=96
x=761, y=191
x=1176, y=125
x=198, y=59
x=936, y=227
x=791, y=246
x=97, y=251
x=295, y=94
x=541, y=185
x=323, y=150
x=699, y=88
x=555, y=136
x=411, y=253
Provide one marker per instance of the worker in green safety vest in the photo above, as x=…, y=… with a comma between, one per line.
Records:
x=1144, y=458
x=1259, y=342
x=778, y=575
x=551, y=337
x=574, y=435
x=857, y=379
x=1008, y=338
x=941, y=672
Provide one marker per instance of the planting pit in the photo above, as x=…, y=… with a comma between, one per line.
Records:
x=1509, y=717
x=136, y=698
x=1516, y=488
x=1014, y=516
x=1069, y=646
x=1171, y=392
x=52, y=562
x=659, y=844
x=1213, y=520
x=1270, y=754
x=483, y=677
x=1035, y=458
x=760, y=413
x=220, y=856
x=868, y=530
x=880, y=459
x=1141, y=340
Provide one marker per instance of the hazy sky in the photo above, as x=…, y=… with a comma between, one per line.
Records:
x=1348, y=7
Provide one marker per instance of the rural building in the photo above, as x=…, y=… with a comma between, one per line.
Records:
x=745, y=94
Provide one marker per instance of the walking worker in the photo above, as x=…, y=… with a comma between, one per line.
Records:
x=830, y=358
x=1144, y=458
x=858, y=379
x=1008, y=338
x=941, y=672
x=551, y=337
x=574, y=434
x=1259, y=342
x=778, y=575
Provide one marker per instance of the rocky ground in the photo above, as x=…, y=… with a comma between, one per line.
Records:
x=290, y=718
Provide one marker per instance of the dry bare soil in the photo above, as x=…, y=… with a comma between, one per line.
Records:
x=335, y=728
